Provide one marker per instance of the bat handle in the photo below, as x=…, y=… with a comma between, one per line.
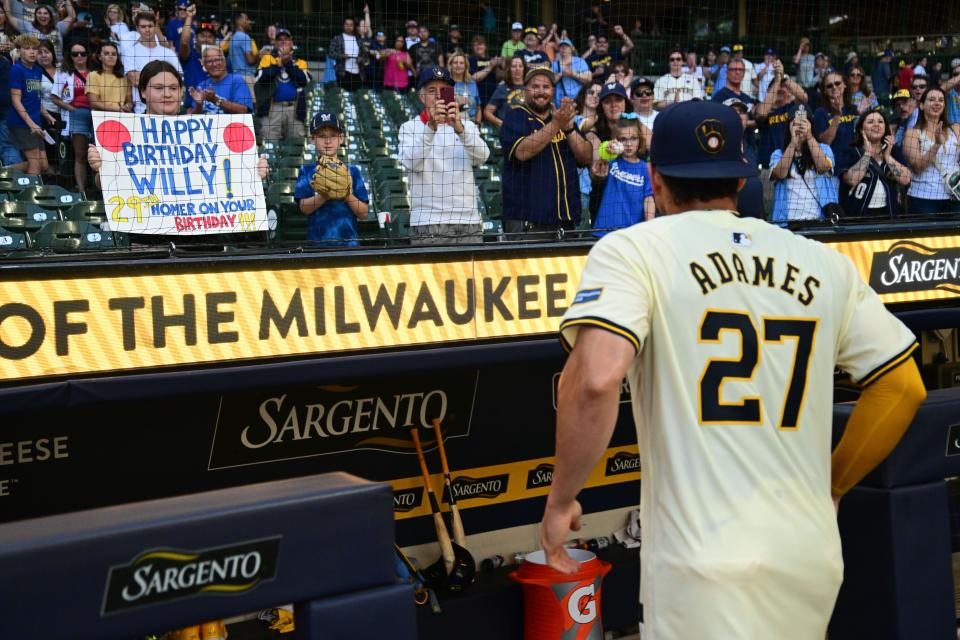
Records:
x=446, y=548
x=459, y=536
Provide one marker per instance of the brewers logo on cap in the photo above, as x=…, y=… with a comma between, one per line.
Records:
x=710, y=136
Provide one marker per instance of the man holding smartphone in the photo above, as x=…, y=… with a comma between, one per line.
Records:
x=440, y=149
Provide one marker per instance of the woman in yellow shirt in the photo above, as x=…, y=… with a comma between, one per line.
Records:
x=109, y=89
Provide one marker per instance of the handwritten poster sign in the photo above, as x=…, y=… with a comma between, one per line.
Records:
x=182, y=175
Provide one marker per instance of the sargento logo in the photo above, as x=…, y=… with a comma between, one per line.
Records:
x=622, y=462
x=337, y=418
x=161, y=575
x=540, y=476
x=407, y=499
x=465, y=487
x=911, y=266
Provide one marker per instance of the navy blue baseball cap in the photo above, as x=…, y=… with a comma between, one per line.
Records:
x=325, y=119
x=698, y=139
x=612, y=89
x=434, y=73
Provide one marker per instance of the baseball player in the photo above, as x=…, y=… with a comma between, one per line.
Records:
x=331, y=193
x=729, y=330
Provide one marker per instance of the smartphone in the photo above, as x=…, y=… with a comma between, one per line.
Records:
x=447, y=95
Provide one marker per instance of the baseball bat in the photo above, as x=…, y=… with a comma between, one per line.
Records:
x=458, y=534
x=446, y=547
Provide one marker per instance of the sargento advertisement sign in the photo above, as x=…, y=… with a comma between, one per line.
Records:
x=161, y=575
x=908, y=270
x=77, y=324
x=331, y=419
x=911, y=266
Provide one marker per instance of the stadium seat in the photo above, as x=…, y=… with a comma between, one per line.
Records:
x=12, y=241
x=50, y=196
x=279, y=193
x=399, y=227
x=92, y=211
x=492, y=230
x=71, y=236
x=291, y=161
x=285, y=174
x=19, y=177
x=25, y=216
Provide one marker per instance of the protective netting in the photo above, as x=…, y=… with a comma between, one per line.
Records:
x=283, y=89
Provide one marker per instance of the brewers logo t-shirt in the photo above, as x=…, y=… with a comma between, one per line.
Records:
x=845, y=130
x=738, y=326
x=28, y=82
x=627, y=186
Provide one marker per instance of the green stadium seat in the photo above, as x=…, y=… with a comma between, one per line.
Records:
x=399, y=227
x=291, y=162
x=71, y=236
x=50, y=196
x=25, y=216
x=19, y=177
x=284, y=174
x=279, y=193
x=382, y=163
x=12, y=241
x=92, y=211
x=492, y=230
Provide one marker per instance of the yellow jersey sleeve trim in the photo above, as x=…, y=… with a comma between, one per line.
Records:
x=600, y=323
x=515, y=145
x=884, y=368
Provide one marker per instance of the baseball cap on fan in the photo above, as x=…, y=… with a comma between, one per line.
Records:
x=325, y=119
x=699, y=139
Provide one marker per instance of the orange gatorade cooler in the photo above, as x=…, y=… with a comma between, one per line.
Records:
x=558, y=606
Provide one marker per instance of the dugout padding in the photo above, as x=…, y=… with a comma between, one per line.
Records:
x=895, y=526
x=105, y=573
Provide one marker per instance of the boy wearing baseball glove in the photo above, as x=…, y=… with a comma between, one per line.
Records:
x=330, y=192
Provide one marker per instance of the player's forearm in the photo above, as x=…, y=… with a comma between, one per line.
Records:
x=879, y=420
x=586, y=416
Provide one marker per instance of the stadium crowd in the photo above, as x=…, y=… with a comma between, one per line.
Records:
x=574, y=120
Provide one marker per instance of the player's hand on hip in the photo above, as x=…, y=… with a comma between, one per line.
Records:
x=558, y=521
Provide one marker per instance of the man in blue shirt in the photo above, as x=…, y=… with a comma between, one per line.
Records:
x=189, y=48
x=733, y=87
x=221, y=92
x=182, y=17
x=8, y=153
x=952, y=88
x=243, y=60
x=542, y=146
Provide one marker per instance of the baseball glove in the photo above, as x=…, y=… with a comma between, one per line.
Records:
x=332, y=178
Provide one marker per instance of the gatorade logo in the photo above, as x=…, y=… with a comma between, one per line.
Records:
x=582, y=606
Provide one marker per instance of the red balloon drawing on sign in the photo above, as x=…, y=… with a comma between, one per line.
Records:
x=238, y=137
x=112, y=134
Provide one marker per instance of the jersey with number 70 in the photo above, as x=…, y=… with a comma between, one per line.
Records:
x=738, y=327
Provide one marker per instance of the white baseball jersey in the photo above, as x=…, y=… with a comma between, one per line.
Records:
x=667, y=87
x=738, y=326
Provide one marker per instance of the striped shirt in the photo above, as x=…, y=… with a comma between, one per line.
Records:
x=928, y=184
x=802, y=197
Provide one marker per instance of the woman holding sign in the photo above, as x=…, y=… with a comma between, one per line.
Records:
x=161, y=88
